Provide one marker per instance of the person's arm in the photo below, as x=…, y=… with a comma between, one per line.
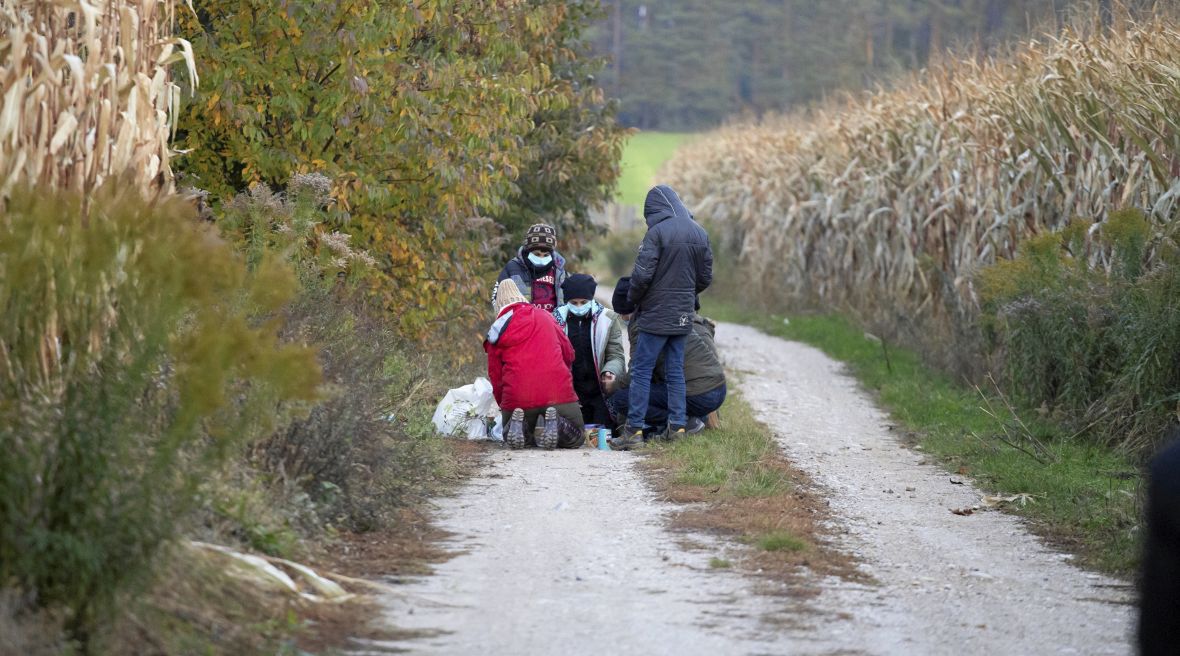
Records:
x=495, y=370
x=615, y=360
x=705, y=275
x=645, y=267
x=508, y=271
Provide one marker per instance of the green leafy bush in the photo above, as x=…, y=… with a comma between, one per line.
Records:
x=1086, y=328
x=131, y=364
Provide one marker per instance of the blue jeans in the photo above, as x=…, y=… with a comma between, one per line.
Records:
x=643, y=361
x=657, y=407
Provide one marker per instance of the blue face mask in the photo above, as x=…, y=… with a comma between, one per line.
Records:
x=581, y=310
x=540, y=261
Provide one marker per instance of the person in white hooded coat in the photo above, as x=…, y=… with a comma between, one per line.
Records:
x=597, y=337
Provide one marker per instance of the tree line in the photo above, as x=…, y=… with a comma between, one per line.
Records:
x=690, y=64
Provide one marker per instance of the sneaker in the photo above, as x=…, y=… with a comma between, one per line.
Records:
x=631, y=439
x=694, y=426
x=673, y=433
x=514, y=434
x=548, y=439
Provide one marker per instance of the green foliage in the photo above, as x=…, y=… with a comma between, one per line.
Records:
x=779, y=541
x=573, y=148
x=131, y=362
x=643, y=157
x=1085, y=497
x=1098, y=342
x=424, y=115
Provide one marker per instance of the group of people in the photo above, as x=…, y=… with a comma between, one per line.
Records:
x=555, y=354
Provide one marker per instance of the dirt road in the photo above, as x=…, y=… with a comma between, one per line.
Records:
x=567, y=552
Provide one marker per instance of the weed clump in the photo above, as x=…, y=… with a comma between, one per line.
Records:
x=1089, y=328
x=131, y=365
x=779, y=541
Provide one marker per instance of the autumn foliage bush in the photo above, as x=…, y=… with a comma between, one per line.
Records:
x=428, y=117
x=364, y=450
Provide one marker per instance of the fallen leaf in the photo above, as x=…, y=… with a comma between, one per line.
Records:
x=963, y=470
x=963, y=511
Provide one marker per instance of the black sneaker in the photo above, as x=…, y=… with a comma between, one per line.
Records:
x=632, y=438
x=694, y=426
x=514, y=431
x=673, y=433
x=548, y=439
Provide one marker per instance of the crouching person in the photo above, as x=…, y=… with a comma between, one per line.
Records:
x=529, y=359
x=704, y=376
x=597, y=337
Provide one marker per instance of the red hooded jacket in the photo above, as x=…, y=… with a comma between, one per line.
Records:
x=529, y=359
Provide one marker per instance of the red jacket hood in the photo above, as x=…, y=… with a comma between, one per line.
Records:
x=529, y=359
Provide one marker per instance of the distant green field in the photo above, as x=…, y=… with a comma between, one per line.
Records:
x=645, y=153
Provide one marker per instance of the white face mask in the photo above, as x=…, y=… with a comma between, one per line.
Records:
x=540, y=260
x=581, y=310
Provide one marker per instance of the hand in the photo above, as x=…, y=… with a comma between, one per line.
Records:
x=608, y=383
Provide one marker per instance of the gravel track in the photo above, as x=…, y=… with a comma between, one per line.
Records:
x=568, y=552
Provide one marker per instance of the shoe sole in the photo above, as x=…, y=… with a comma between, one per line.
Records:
x=548, y=438
x=515, y=441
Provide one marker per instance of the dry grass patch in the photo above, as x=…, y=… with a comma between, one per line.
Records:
x=737, y=484
x=199, y=609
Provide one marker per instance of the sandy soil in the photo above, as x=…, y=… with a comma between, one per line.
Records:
x=569, y=553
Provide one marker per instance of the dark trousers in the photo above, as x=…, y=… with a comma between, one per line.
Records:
x=571, y=430
x=643, y=361
x=657, y=407
x=595, y=410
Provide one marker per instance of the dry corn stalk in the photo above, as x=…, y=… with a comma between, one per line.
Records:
x=890, y=203
x=86, y=93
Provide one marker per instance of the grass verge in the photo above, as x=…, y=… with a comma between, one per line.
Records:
x=737, y=484
x=1081, y=497
x=643, y=156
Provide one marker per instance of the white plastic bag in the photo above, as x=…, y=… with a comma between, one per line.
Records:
x=464, y=411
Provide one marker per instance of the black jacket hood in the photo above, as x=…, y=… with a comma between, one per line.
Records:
x=663, y=203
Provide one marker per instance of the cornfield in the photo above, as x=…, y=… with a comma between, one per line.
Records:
x=86, y=93
x=889, y=204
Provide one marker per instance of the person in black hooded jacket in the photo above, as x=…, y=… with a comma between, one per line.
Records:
x=674, y=264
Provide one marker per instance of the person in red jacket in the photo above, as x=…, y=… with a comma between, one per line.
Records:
x=529, y=360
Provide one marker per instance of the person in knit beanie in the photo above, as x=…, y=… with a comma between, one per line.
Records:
x=538, y=268
x=529, y=360
x=597, y=337
x=507, y=293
